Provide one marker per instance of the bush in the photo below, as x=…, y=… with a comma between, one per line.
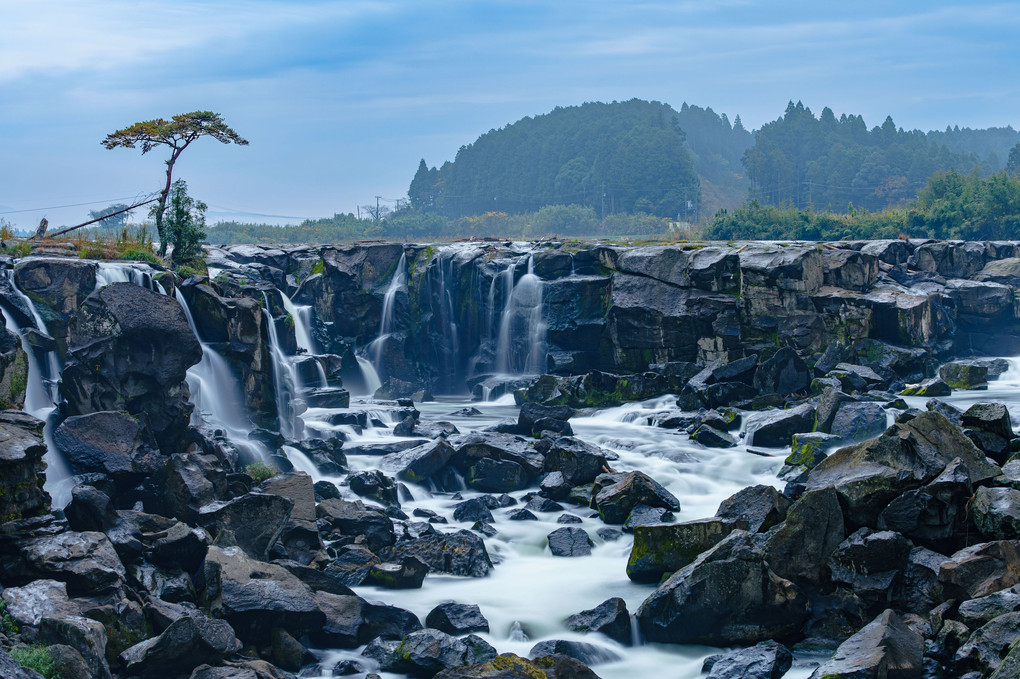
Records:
x=7, y=624
x=260, y=471
x=183, y=223
x=36, y=658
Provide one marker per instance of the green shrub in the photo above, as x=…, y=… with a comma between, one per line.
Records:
x=36, y=658
x=7, y=624
x=260, y=471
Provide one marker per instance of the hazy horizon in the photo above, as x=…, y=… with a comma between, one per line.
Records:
x=341, y=100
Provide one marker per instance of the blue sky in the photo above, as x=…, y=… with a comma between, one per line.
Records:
x=341, y=99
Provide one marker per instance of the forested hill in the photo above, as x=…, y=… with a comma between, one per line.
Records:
x=620, y=157
x=639, y=156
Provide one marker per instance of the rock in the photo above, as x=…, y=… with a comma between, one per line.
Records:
x=858, y=421
x=981, y=569
x=27, y=605
x=886, y=646
x=868, y=562
x=458, y=553
x=185, y=644
x=256, y=520
x=456, y=619
x=497, y=476
x=776, y=427
x=609, y=618
x=111, y=443
x=254, y=596
x=89, y=510
x=477, y=446
x=869, y=475
x=85, y=561
x=351, y=621
x=475, y=509
x=9, y=668
x=800, y=549
x=374, y=485
x=807, y=450
x=326, y=490
x=510, y=666
x=129, y=349
x=579, y=462
x=543, y=505
x=300, y=536
x=727, y=596
x=616, y=500
x=86, y=636
x=21, y=466
x=660, y=550
x=643, y=515
x=352, y=519
x=963, y=375
x=535, y=418
x=569, y=541
x=589, y=654
x=713, y=438
x=408, y=574
x=982, y=610
x=933, y=513
x=988, y=645
x=785, y=373
x=996, y=513
x=1010, y=665
x=418, y=464
x=555, y=486
x=759, y=507
x=427, y=652
x=990, y=417
x=933, y=387
x=766, y=660
x=521, y=515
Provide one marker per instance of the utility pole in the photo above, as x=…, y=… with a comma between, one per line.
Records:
x=377, y=207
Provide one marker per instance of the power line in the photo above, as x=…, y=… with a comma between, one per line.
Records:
x=57, y=207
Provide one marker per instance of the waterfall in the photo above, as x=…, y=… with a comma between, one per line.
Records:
x=443, y=305
x=124, y=272
x=521, y=344
x=284, y=379
x=302, y=315
x=369, y=376
x=217, y=395
x=398, y=281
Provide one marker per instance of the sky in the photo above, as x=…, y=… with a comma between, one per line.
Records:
x=340, y=100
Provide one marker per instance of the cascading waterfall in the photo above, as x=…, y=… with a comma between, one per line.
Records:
x=444, y=314
x=285, y=379
x=398, y=281
x=302, y=317
x=521, y=343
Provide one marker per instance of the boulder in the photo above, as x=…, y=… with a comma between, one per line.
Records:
x=84, y=635
x=374, y=485
x=784, y=373
x=85, y=561
x=21, y=466
x=350, y=621
x=475, y=509
x=917, y=588
x=858, y=421
x=408, y=574
x=569, y=541
x=712, y=437
x=129, y=350
x=609, y=618
x=982, y=610
x=981, y=569
x=759, y=507
x=27, y=605
x=988, y=645
x=589, y=654
x=615, y=500
x=775, y=428
x=933, y=387
x=426, y=652
x=476, y=446
x=990, y=417
x=579, y=462
x=766, y=660
x=664, y=549
x=869, y=561
x=418, y=464
x=300, y=535
x=57, y=287
x=885, y=647
x=933, y=513
x=996, y=513
x=111, y=443
x=456, y=619
x=727, y=596
x=458, y=553
x=510, y=666
x=185, y=644
x=89, y=510
x=800, y=549
x=496, y=476
x=959, y=375
x=256, y=520
x=351, y=519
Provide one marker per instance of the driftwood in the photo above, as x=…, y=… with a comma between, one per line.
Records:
x=93, y=221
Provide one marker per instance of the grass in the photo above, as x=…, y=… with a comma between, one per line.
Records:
x=260, y=471
x=36, y=658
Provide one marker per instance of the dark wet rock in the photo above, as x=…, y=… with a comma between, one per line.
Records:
x=458, y=553
x=85, y=561
x=664, y=549
x=408, y=574
x=727, y=596
x=326, y=580
x=543, y=504
x=616, y=499
x=475, y=509
x=351, y=565
x=981, y=569
x=510, y=666
x=858, y=421
x=951, y=413
x=963, y=375
x=27, y=605
x=568, y=519
x=712, y=437
x=87, y=637
x=496, y=476
x=350, y=621
x=57, y=286
x=112, y=443
x=89, y=510
x=643, y=515
x=609, y=618
x=982, y=610
x=869, y=475
x=759, y=507
x=800, y=549
x=776, y=427
x=354, y=519
x=256, y=520
x=420, y=463
x=933, y=513
x=589, y=654
x=185, y=644
x=471, y=448
x=569, y=541
x=254, y=596
x=766, y=660
x=456, y=619
x=784, y=373
x=432, y=517
x=807, y=450
x=113, y=339
x=579, y=462
x=933, y=387
x=555, y=486
x=990, y=417
x=374, y=485
x=21, y=463
x=988, y=645
x=869, y=561
x=326, y=490
x=521, y=514
x=426, y=652
x=996, y=513
x=536, y=418
x=887, y=646
x=609, y=534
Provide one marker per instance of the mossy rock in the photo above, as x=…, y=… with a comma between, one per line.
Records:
x=808, y=449
x=932, y=387
x=960, y=375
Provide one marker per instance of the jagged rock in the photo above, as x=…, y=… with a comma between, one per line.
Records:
x=420, y=463
x=254, y=596
x=352, y=519
x=374, y=485
x=982, y=610
x=990, y=417
x=427, y=652
x=569, y=541
x=27, y=605
x=917, y=588
x=555, y=486
x=663, y=549
x=934, y=512
x=496, y=476
x=643, y=515
x=963, y=375
x=759, y=507
x=84, y=635
x=766, y=660
x=579, y=462
x=326, y=490
x=471, y=448
x=459, y=553
x=886, y=646
x=616, y=499
x=858, y=421
x=987, y=646
x=21, y=466
x=869, y=475
x=351, y=565
x=89, y=510
x=300, y=536
x=727, y=596
x=589, y=654
x=807, y=450
x=351, y=621
x=609, y=618
x=475, y=509
x=185, y=644
x=454, y=618
x=510, y=666
x=712, y=437
x=408, y=574
x=868, y=561
x=85, y=561
x=800, y=549
x=776, y=427
x=981, y=569
x=933, y=387
x=111, y=443
x=996, y=512
x=129, y=349
x=785, y=373
x=1010, y=665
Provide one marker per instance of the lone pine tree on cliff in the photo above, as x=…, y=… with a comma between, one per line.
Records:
x=176, y=133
